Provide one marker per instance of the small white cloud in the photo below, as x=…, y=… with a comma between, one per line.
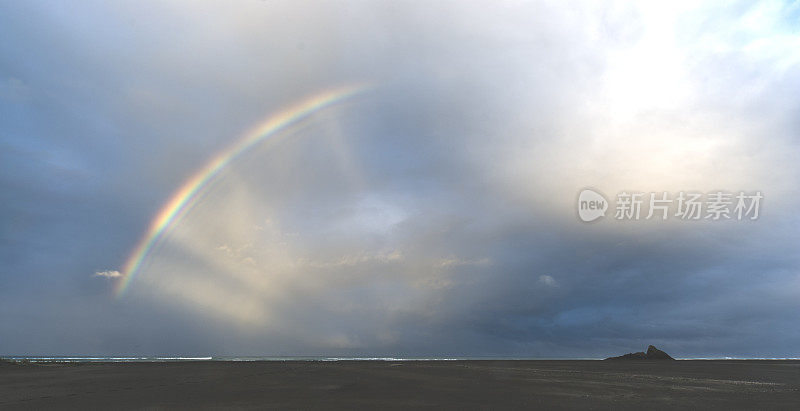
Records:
x=108, y=274
x=548, y=280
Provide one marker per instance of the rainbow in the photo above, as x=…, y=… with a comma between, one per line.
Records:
x=187, y=194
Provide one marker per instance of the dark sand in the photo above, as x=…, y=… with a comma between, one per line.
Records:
x=430, y=384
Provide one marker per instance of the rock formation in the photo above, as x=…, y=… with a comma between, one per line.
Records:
x=652, y=353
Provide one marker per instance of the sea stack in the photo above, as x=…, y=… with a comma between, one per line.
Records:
x=652, y=353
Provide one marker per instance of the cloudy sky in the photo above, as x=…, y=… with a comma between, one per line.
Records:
x=433, y=213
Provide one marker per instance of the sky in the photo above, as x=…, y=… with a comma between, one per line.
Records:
x=429, y=211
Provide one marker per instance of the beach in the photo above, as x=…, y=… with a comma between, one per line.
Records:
x=570, y=384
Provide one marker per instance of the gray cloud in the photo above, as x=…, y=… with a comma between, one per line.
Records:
x=433, y=216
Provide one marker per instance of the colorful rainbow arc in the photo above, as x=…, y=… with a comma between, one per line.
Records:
x=182, y=199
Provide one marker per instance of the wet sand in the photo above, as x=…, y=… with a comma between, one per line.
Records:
x=401, y=385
